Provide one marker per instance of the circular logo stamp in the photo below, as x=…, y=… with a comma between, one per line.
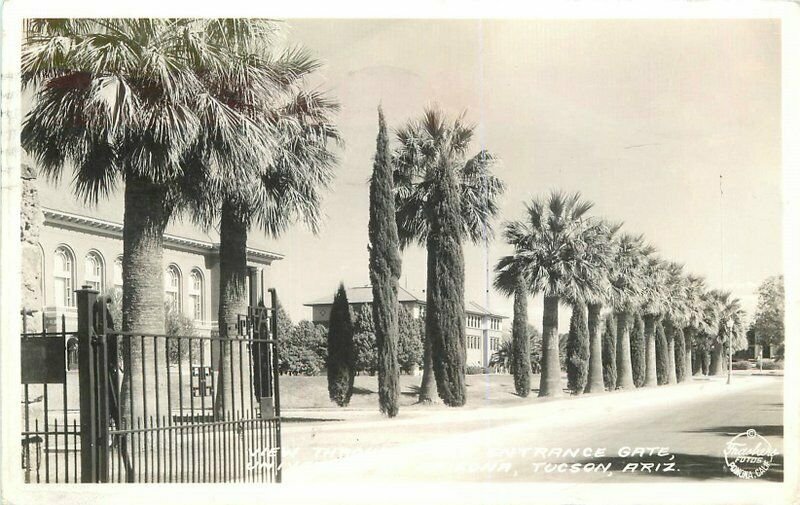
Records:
x=748, y=455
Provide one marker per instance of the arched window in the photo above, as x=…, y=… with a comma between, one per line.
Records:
x=95, y=273
x=196, y=294
x=118, y=274
x=172, y=287
x=64, y=277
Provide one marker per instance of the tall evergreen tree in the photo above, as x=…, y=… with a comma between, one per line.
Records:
x=341, y=353
x=637, y=350
x=521, y=342
x=610, y=352
x=662, y=354
x=444, y=317
x=384, y=272
x=578, y=350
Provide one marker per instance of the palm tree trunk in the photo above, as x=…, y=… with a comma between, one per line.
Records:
x=427, y=389
x=521, y=343
x=697, y=362
x=146, y=216
x=706, y=360
x=233, y=302
x=594, y=382
x=688, y=336
x=624, y=369
x=716, y=367
x=650, y=377
x=669, y=331
x=550, y=383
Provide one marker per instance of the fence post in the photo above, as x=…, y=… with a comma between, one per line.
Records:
x=86, y=383
x=102, y=384
x=275, y=383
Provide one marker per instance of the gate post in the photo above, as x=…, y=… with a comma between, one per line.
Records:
x=100, y=311
x=85, y=298
x=275, y=383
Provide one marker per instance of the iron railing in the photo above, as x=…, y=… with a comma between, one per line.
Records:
x=50, y=434
x=155, y=407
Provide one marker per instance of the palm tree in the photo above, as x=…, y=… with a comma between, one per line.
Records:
x=655, y=297
x=675, y=314
x=695, y=309
x=554, y=254
x=627, y=287
x=731, y=329
x=603, y=246
x=128, y=100
x=434, y=149
x=269, y=194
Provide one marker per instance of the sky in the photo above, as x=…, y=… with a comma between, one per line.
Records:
x=646, y=118
x=672, y=127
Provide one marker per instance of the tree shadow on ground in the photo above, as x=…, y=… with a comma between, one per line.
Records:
x=307, y=419
x=692, y=466
x=362, y=391
x=765, y=430
x=412, y=391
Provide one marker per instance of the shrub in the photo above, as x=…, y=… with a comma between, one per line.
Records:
x=364, y=341
x=475, y=370
x=410, y=345
x=742, y=365
x=341, y=352
x=772, y=365
x=303, y=349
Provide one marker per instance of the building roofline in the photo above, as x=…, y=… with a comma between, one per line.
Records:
x=114, y=230
x=470, y=307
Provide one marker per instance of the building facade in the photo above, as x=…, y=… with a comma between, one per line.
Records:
x=64, y=250
x=484, y=328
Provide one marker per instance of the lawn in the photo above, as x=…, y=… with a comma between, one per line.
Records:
x=300, y=392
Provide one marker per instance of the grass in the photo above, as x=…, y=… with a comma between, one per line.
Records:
x=300, y=392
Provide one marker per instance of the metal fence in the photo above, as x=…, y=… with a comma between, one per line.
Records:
x=165, y=408
x=50, y=433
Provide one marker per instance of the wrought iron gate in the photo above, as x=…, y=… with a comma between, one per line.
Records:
x=50, y=432
x=166, y=408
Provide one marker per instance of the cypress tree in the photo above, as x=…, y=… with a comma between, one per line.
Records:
x=638, y=351
x=662, y=354
x=680, y=355
x=578, y=350
x=521, y=342
x=444, y=319
x=384, y=272
x=610, y=352
x=341, y=352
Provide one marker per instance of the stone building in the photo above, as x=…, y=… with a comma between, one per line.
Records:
x=484, y=328
x=66, y=245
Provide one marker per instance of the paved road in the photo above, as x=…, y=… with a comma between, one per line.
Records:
x=681, y=431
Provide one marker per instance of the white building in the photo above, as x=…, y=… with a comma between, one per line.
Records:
x=484, y=328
